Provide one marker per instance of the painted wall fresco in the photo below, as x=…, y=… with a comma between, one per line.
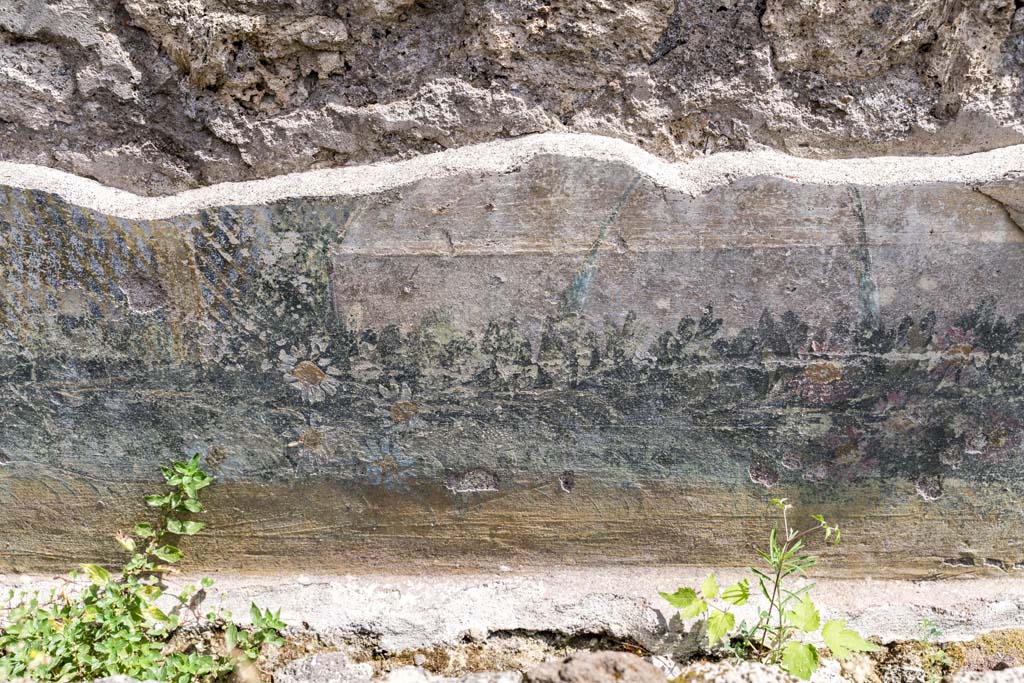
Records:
x=565, y=362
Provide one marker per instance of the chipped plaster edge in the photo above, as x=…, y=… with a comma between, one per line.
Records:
x=693, y=177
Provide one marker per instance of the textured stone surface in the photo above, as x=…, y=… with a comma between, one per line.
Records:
x=160, y=95
x=734, y=672
x=564, y=361
x=1014, y=675
x=327, y=667
x=596, y=667
x=415, y=674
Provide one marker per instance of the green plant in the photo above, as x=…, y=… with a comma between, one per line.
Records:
x=96, y=624
x=936, y=660
x=772, y=638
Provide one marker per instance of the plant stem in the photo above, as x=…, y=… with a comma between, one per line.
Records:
x=771, y=656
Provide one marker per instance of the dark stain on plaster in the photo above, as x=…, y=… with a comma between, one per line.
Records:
x=576, y=293
x=867, y=288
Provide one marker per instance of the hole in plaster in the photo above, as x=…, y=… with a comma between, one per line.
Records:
x=473, y=481
x=143, y=294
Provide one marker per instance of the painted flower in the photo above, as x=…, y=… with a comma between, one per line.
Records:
x=312, y=443
x=817, y=473
x=959, y=353
x=847, y=446
x=892, y=401
x=821, y=348
x=821, y=383
x=1001, y=438
x=959, y=342
x=384, y=462
x=308, y=370
x=852, y=453
x=399, y=409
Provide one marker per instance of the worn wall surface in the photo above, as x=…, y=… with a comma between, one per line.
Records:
x=580, y=354
x=554, y=282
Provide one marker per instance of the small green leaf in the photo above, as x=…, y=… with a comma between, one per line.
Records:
x=169, y=554
x=694, y=609
x=156, y=614
x=738, y=593
x=97, y=574
x=176, y=526
x=800, y=659
x=144, y=530
x=681, y=599
x=193, y=528
x=843, y=641
x=155, y=501
x=719, y=626
x=150, y=592
x=686, y=600
x=804, y=616
x=709, y=589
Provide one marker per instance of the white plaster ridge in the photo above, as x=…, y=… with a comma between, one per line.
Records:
x=693, y=176
x=410, y=611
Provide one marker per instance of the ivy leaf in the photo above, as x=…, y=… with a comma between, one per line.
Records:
x=738, y=593
x=156, y=614
x=709, y=589
x=843, y=641
x=800, y=659
x=127, y=542
x=97, y=574
x=804, y=616
x=150, y=593
x=193, y=528
x=189, y=528
x=144, y=530
x=169, y=554
x=719, y=626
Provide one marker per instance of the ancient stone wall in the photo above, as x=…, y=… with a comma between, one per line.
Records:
x=161, y=95
x=512, y=340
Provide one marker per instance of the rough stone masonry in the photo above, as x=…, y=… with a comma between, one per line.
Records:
x=511, y=338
